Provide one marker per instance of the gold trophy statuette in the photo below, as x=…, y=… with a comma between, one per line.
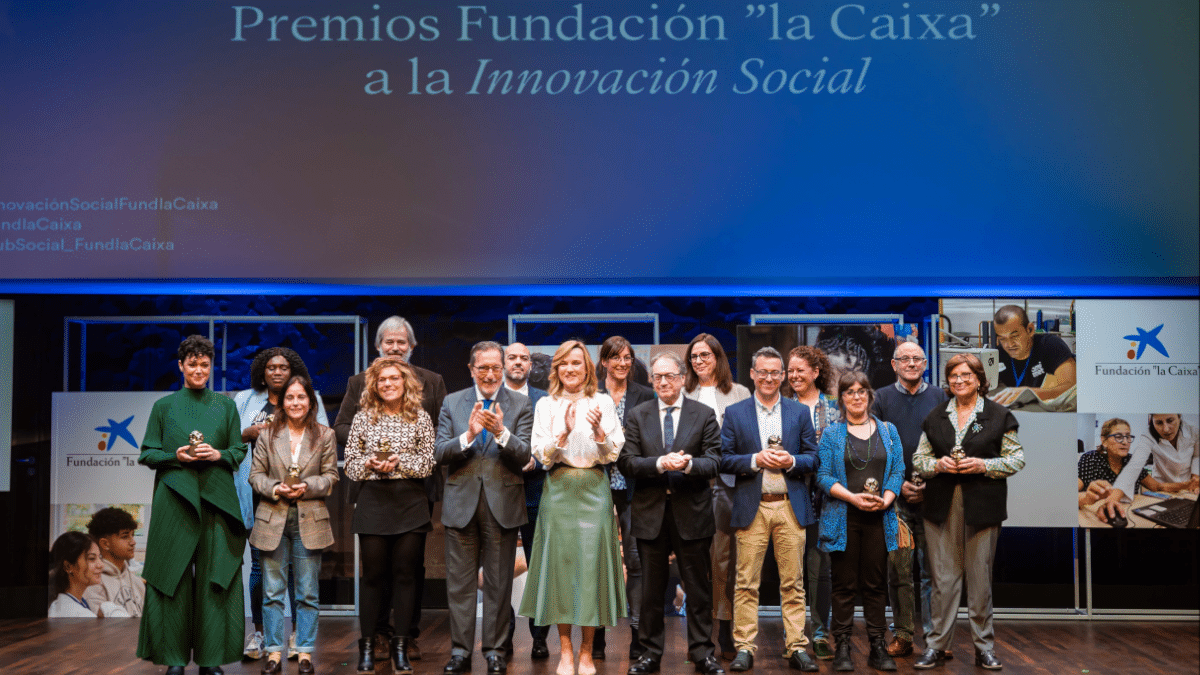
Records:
x=195, y=438
x=917, y=480
x=775, y=443
x=384, y=453
x=871, y=487
x=293, y=476
x=957, y=454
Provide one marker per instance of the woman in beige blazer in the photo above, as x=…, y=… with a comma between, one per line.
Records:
x=294, y=469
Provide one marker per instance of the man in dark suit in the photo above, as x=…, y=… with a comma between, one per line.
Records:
x=394, y=337
x=770, y=504
x=517, y=364
x=483, y=441
x=672, y=450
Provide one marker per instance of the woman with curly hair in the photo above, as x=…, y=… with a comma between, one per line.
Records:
x=257, y=407
x=808, y=374
x=390, y=448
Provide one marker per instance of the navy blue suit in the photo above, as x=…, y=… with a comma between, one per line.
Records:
x=534, y=479
x=740, y=442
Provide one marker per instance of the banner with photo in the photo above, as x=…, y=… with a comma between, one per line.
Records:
x=1139, y=399
x=94, y=448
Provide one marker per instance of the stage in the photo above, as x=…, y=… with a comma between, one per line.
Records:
x=106, y=647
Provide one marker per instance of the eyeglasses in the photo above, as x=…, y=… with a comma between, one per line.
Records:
x=665, y=377
x=794, y=372
x=394, y=379
x=769, y=374
x=622, y=359
x=962, y=378
x=909, y=359
x=495, y=370
x=1121, y=438
x=856, y=393
x=701, y=356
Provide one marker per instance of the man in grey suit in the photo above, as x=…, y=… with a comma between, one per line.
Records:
x=483, y=441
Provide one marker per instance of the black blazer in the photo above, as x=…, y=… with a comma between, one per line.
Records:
x=698, y=435
x=635, y=395
x=985, y=500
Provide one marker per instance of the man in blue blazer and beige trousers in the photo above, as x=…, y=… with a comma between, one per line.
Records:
x=770, y=504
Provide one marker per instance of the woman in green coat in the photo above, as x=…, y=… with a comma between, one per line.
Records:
x=194, y=608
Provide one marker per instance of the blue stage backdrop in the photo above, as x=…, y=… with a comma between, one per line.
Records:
x=459, y=145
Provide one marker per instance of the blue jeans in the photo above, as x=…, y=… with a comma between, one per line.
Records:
x=306, y=566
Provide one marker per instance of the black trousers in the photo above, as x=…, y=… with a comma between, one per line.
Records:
x=861, y=568
x=695, y=571
x=390, y=562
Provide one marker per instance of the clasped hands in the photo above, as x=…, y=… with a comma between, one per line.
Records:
x=204, y=452
x=491, y=419
x=948, y=464
x=774, y=458
x=384, y=466
x=674, y=461
x=867, y=502
x=291, y=492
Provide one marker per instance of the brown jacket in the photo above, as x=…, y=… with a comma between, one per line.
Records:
x=318, y=468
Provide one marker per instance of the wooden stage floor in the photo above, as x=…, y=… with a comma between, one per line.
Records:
x=106, y=647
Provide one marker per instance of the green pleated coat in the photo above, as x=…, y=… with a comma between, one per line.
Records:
x=193, y=613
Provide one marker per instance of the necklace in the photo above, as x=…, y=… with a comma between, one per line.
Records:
x=856, y=462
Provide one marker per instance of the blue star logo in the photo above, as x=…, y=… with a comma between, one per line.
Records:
x=1148, y=338
x=119, y=430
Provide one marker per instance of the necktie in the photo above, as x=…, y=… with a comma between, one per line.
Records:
x=486, y=435
x=669, y=428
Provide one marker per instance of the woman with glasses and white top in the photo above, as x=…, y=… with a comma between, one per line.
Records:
x=710, y=381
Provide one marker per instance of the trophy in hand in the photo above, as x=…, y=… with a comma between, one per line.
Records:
x=871, y=487
x=195, y=438
x=775, y=443
x=957, y=454
x=917, y=481
x=293, y=476
x=384, y=452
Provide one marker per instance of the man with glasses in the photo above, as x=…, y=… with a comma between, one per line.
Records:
x=768, y=442
x=906, y=404
x=672, y=449
x=1036, y=361
x=483, y=441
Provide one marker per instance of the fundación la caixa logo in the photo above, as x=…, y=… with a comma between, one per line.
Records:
x=113, y=432
x=1152, y=344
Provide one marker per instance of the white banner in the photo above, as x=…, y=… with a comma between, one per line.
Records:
x=94, y=447
x=1138, y=356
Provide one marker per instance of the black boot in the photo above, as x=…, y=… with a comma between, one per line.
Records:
x=598, y=645
x=366, y=655
x=841, y=656
x=400, y=664
x=635, y=646
x=879, y=658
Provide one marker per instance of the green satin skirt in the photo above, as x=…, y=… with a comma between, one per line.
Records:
x=575, y=574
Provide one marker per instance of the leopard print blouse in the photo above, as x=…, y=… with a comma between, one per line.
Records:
x=412, y=441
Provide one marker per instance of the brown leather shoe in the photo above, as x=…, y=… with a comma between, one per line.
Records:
x=306, y=667
x=900, y=647
x=273, y=666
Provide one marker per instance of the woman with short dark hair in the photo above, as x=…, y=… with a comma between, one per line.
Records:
x=196, y=538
